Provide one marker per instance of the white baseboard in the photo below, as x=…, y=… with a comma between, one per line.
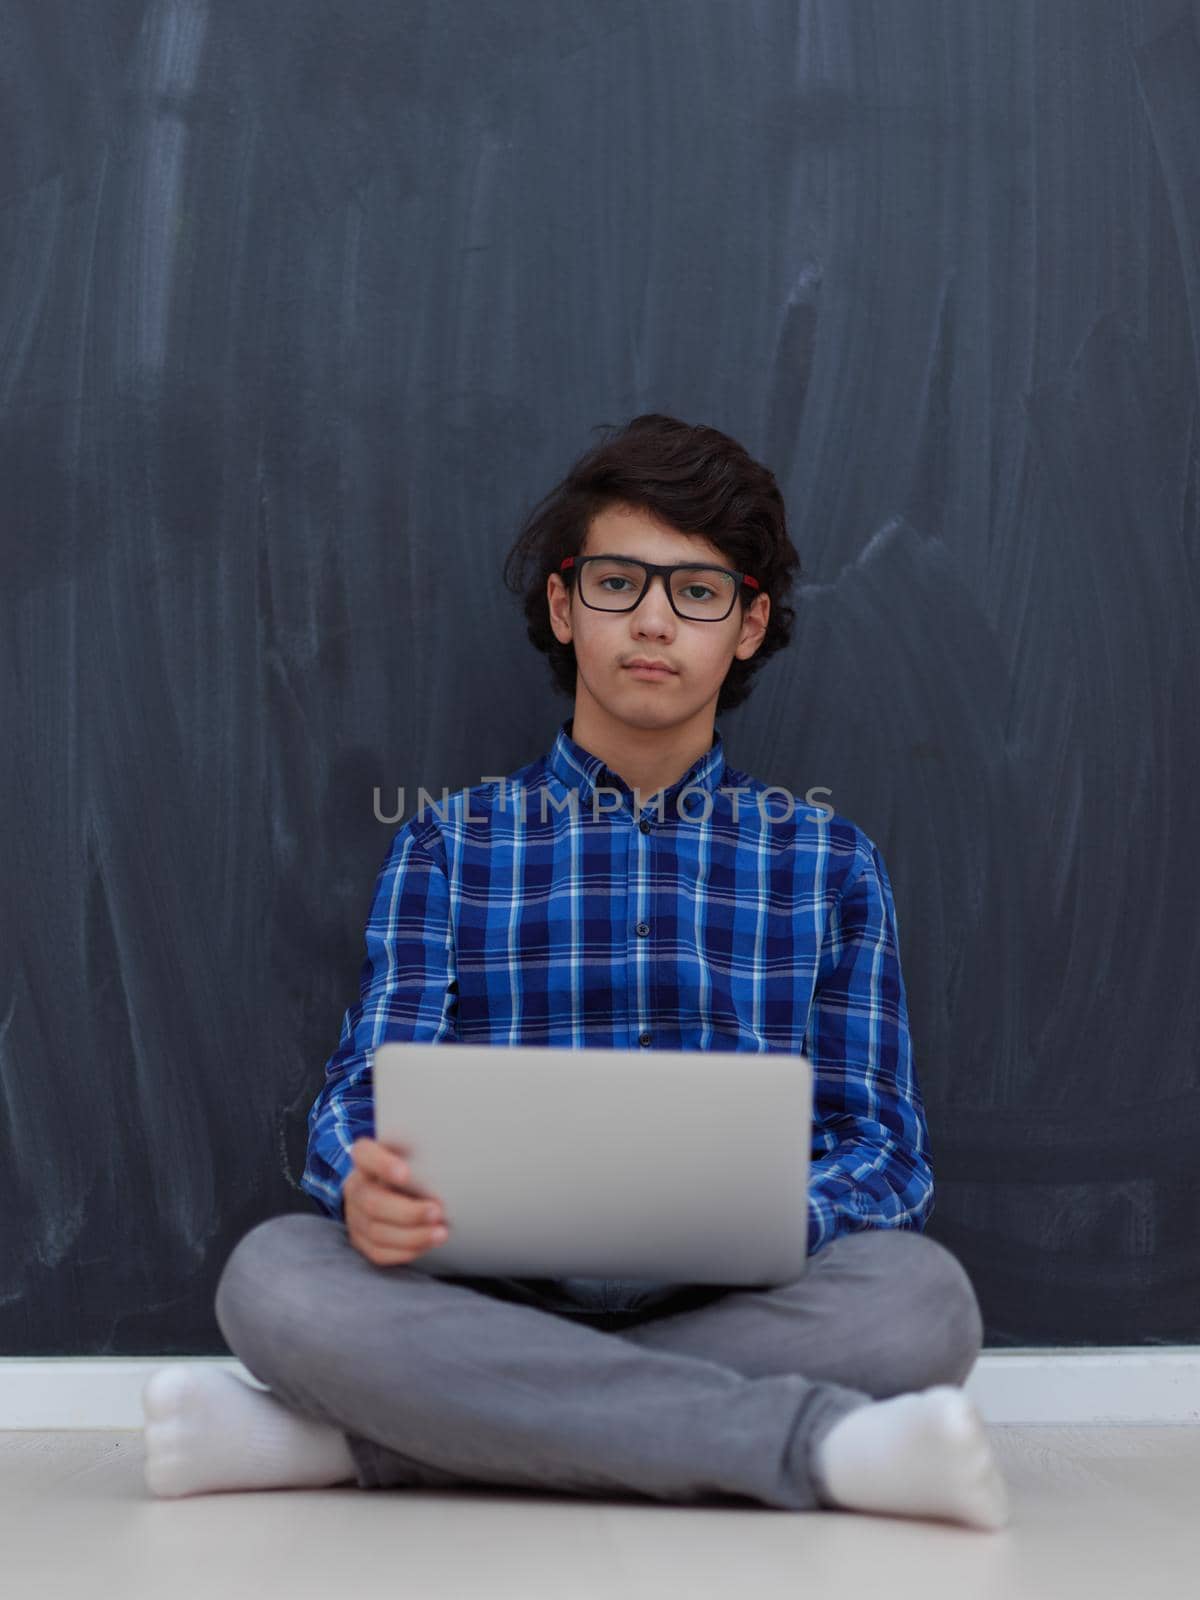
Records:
x=1052, y=1385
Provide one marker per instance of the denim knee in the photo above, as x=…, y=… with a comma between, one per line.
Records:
x=933, y=1315
x=953, y=1319
x=253, y=1288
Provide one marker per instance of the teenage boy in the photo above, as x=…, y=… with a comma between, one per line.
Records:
x=627, y=889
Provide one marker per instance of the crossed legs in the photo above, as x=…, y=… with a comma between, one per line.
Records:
x=433, y=1382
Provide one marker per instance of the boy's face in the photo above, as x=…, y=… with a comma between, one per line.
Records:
x=606, y=642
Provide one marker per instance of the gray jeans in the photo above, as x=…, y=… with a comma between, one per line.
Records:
x=679, y=1393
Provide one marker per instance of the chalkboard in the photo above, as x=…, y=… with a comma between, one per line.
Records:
x=303, y=307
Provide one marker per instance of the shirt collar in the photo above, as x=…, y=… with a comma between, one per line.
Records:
x=578, y=768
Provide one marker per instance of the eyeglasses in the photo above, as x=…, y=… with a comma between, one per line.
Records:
x=697, y=592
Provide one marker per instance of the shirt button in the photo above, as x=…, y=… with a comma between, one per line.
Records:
x=643, y=928
x=644, y=825
x=644, y=1038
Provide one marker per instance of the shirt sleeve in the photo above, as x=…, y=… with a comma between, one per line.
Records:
x=407, y=991
x=871, y=1157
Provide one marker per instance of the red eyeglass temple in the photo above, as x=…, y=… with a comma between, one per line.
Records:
x=746, y=578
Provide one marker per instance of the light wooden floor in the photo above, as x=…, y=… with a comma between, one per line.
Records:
x=1097, y=1511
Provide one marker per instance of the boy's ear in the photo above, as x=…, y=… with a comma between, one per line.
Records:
x=754, y=627
x=558, y=603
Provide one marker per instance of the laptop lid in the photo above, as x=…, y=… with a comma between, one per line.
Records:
x=686, y=1166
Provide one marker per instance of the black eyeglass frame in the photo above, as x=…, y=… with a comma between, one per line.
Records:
x=653, y=569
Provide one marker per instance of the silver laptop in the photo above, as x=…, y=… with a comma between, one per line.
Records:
x=679, y=1166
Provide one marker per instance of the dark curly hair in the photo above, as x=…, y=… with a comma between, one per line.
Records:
x=695, y=479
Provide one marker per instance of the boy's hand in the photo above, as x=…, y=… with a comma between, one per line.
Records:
x=386, y=1216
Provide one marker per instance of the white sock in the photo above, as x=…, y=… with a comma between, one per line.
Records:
x=924, y=1455
x=205, y=1429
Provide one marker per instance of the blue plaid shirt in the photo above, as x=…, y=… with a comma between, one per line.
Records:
x=542, y=909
